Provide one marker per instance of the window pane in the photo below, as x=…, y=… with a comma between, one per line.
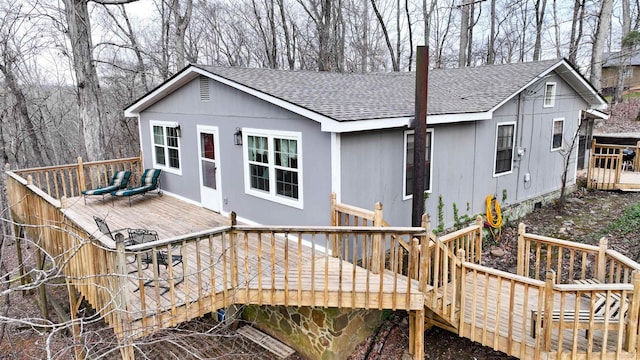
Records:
x=258, y=149
x=286, y=153
x=287, y=183
x=160, y=155
x=410, y=163
x=206, y=142
x=504, y=151
x=557, y=134
x=158, y=135
x=209, y=174
x=259, y=176
x=174, y=160
x=172, y=137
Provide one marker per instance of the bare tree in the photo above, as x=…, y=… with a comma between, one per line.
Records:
x=625, y=52
x=465, y=17
x=540, y=7
x=181, y=22
x=604, y=23
x=394, y=57
x=577, y=22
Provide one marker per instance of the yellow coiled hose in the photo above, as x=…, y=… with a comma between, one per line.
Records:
x=494, y=216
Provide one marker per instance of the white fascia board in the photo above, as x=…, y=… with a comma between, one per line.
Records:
x=163, y=90
x=362, y=125
x=598, y=114
x=456, y=118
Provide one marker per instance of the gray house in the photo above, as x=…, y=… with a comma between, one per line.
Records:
x=272, y=145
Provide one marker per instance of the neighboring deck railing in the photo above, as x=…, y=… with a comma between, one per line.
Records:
x=606, y=165
x=69, y=180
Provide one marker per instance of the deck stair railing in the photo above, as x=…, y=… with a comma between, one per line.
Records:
x=445, y=256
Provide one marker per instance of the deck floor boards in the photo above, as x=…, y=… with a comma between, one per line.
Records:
x=300, y=275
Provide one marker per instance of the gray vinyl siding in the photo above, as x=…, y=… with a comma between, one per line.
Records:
x=229, y=109
x=463, y=160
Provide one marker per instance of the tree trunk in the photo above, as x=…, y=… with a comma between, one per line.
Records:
x=394, y=61
x=540, y=6
x=491, y=51
x=181, y=25
x=577, y=22
x=464, y=35
x=625, y=52
x=604, y=23
x=88, y=88
x=406, y=9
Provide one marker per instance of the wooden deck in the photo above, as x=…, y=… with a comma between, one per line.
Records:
x=358, y=262
x=274, y=269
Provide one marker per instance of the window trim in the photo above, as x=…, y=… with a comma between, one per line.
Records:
x=165, y=167
x=271, y=195
x=552, y=100
x=495, y=147
x=553, y=129
x=404, y=164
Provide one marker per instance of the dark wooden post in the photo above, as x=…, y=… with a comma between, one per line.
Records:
x=420, y=134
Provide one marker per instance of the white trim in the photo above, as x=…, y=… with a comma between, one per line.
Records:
x=404, y=163
x=554, y=87
x=495, y=147
x=553, y=127
x=598, y=114
x=166, y=167
x=218, y=161
x=182, y=198
x=336, y=165
x=457, y=118
x=271, y=195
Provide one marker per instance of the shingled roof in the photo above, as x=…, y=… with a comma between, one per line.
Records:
x=346, y=98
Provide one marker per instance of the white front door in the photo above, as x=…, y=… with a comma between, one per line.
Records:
x=209, y=152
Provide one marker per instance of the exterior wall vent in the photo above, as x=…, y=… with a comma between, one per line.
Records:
x=204, y=88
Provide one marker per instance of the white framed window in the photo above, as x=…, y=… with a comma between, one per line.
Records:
x=273, y=165
x=407, y=185
x=557, y=133
x=505, y=139
x=165, y=141
x=549, y=94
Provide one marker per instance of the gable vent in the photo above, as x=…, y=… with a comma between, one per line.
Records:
x=204, y=88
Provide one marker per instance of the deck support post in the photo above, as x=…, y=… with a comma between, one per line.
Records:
x=634, y=314
x=74, y=305
x=416, y=334
x=478, y=241
x=42, y=290
x=548, y=310
x=334, y=222
x=636, y=160
x=124, y=334
x=233, y=250
x=520, y=261
x=602, y=260
x=18, y=232
x=377, y=247
x=82, y=181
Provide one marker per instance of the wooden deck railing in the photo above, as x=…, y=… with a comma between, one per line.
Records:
x=571, y=261
x=68, y=247
x=69, y=180
x=444, y=257
x=601, y=317
x=606, y=165
x=495, y=306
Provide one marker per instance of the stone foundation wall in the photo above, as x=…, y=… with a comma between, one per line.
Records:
x=316, y=333
x=516, y=211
